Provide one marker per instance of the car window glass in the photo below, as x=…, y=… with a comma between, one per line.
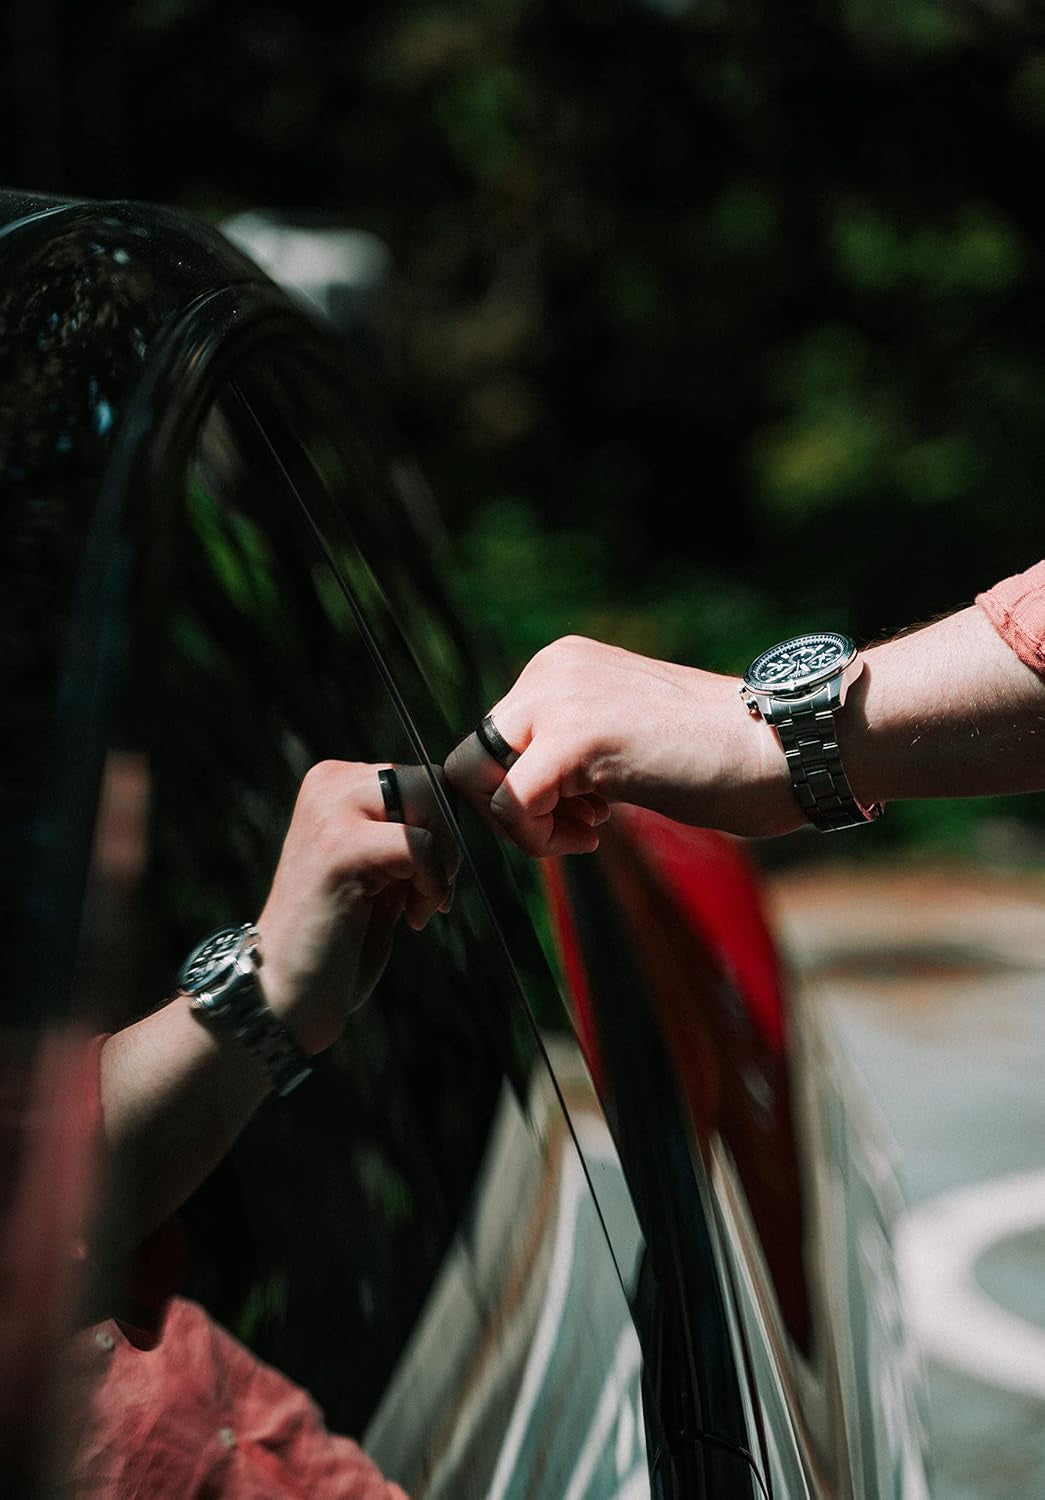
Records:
x=411, y=1235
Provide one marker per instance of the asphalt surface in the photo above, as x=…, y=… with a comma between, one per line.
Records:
x=935, y=979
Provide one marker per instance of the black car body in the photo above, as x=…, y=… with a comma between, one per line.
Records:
x=584, y=1203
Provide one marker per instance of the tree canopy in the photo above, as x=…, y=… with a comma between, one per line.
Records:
x=716, y=320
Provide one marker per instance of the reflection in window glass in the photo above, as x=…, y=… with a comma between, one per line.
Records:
x=426, y=1166
x=322, y=1231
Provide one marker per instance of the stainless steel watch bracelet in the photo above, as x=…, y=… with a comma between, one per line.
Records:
x=237, y=1007
x=270, y=1044
x=810, y=743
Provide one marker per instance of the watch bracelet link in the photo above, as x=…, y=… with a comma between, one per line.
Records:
x=270, y=1044
x=238, y=1008
x=810, y=744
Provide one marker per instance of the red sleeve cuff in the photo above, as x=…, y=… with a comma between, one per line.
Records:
x=1016, y=609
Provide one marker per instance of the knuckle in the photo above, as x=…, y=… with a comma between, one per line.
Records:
x=567, y=660
x=320, y=777
x=572, y=649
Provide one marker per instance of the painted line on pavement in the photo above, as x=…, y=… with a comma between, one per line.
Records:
x=956, y=1323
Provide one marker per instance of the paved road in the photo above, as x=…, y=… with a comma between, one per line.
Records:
x=935, y=978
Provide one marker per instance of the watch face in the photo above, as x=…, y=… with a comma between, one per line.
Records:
x=210, y=960
x=801, y=662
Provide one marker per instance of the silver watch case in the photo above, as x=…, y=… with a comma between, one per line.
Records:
x=797, y=687
x=220, y=968
x=220, y=979
x=798, y=667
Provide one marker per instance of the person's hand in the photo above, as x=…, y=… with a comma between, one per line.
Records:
x=593, y=724
x=345, y=876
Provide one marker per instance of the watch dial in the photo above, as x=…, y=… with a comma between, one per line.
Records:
x=800, y=662
x=211, y=958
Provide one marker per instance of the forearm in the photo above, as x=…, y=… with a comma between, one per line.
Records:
x=948, y=710
x=176, y=1090
x=175, y=1095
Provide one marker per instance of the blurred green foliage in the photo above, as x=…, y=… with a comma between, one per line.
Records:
x=715, y=320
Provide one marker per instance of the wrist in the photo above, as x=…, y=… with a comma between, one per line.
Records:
x=293, y=996
x=725, y=767
x=221, y=981
x=766, y=795
x=283, y=1001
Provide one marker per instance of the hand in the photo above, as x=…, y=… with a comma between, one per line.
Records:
x=595, y=722
x=345, y=876
x=175, y=1093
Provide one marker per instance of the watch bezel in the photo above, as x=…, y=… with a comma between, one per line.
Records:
x=209, y=986
x=801, y=682
x=226, y=991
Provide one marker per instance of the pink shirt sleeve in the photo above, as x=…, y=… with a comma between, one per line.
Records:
x=198, y=1415
x=1016, y=609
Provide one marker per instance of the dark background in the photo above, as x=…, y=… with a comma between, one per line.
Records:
x=715, y=320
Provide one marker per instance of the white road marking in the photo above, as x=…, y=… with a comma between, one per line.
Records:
x=937, y=1245
x=613, y=1401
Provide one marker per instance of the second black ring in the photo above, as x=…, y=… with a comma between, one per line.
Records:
x=495, y=744
x=391, y=796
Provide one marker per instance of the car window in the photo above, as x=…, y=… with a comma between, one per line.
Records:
x=412, y=1235
x=434, y=1238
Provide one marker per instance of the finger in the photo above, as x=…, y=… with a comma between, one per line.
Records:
x=421, y=808
x=409, y=797
x=587, y=807
x=418, y=910
x=392, y=792
x=599, y=806
x=568, y=836
x=530, y=810
x=431, y=882
x=471, y=772
x=531, y=791
x=571, y=837
x=381, y=853
x=386, y=909
x=351, y=787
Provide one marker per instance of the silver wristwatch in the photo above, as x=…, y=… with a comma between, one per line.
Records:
x=797, y=687
x=221, y=979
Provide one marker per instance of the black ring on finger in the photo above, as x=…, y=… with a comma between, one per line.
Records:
x=391, y=796
x=495, y=744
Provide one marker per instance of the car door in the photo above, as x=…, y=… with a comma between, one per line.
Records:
x=575, y=1409
x=414, y=1237
x=695, y=1157
x=480, y=1236
x=439, y=1200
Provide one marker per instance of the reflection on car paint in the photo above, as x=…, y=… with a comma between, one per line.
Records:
x=796, y=1212
x=534, y=1393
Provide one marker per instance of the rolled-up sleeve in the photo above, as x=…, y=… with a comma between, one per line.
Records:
x=1016, y=609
